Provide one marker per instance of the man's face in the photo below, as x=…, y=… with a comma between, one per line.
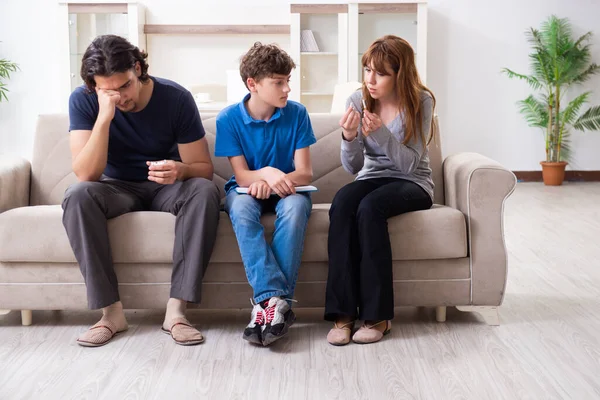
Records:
x=128, y=86
x=274, y=90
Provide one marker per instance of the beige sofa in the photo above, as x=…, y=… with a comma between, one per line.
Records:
x=450, y=255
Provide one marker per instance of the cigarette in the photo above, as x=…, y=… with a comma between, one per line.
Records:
x=364, y=103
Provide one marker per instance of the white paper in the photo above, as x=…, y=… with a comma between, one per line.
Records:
x=299, y=189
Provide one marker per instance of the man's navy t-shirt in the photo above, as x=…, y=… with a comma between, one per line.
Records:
x=152, y=134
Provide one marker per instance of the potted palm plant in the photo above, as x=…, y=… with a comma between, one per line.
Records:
x=557, y=62
x=6, y=68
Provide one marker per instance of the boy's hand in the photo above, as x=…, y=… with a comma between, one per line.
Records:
x=279, y=182
x=371, y=122
x=349, y=123
x=259, y=190
x=165, y=172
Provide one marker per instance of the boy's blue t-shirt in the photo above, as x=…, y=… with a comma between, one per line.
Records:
x=170, y=117
x=263, y=143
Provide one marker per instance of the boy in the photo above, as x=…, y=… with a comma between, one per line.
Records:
x=267, y=139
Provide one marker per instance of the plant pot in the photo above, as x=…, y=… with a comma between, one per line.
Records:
x=553, y=173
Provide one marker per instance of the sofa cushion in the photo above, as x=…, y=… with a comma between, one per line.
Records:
x=36, y=234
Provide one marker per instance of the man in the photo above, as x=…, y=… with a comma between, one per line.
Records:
x=137, y=144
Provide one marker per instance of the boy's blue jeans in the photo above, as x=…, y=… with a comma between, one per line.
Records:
x=272, y=269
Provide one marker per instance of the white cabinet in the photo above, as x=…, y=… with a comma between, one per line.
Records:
x=370, y=21
x=83, y=20
x=317, y=72
x=343, y=31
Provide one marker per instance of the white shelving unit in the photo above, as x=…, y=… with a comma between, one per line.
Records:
x=83, y=20
x=368, y=21
x=317, y=73
x=344, y=30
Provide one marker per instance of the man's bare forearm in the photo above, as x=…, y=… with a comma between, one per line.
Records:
x=89, y=164
x=196, y=170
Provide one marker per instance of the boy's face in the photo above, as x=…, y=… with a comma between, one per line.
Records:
x=273, y=91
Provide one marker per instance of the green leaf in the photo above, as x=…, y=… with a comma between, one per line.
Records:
x=541, y=61
x=534, y=112
x=6, y=68
x=589, y=120
x=593, y=69
x=572, y=110
x=555, y=34
x=532, y=81
x=584, y=38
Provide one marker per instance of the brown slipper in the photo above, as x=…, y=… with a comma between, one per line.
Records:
x=366, y=334
x=183, y=333
x=99, y=334
x=340, y=334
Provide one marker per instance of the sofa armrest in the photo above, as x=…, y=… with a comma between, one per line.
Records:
x=15, y=179
x=478, y=187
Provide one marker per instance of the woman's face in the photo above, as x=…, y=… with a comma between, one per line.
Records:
x=381, y=84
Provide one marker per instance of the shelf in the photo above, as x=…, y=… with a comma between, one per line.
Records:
x=406, y=8
x=316, y=94
x=102, y=8
x=216, y=29
x=318, y=8
x=318, y=53
x=361, y=54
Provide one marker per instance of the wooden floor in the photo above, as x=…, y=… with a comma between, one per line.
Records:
x=547, y=347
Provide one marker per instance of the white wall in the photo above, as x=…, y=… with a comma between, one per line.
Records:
x=28, y=38
x=197, y=59
x=469, y=43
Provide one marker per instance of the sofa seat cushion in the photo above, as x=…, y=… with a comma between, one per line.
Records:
x=437, y=233
x=36, y=234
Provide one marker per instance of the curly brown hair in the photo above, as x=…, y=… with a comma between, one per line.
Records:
x=264, y=61
x=108, y=55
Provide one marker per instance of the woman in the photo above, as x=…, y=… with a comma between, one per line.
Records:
x=385, y=132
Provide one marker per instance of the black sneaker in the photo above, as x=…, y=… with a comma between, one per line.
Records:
x=279, y=317
x=253, y=332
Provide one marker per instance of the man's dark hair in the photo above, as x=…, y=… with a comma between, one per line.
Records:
x=108, y=55
x=264, y=61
